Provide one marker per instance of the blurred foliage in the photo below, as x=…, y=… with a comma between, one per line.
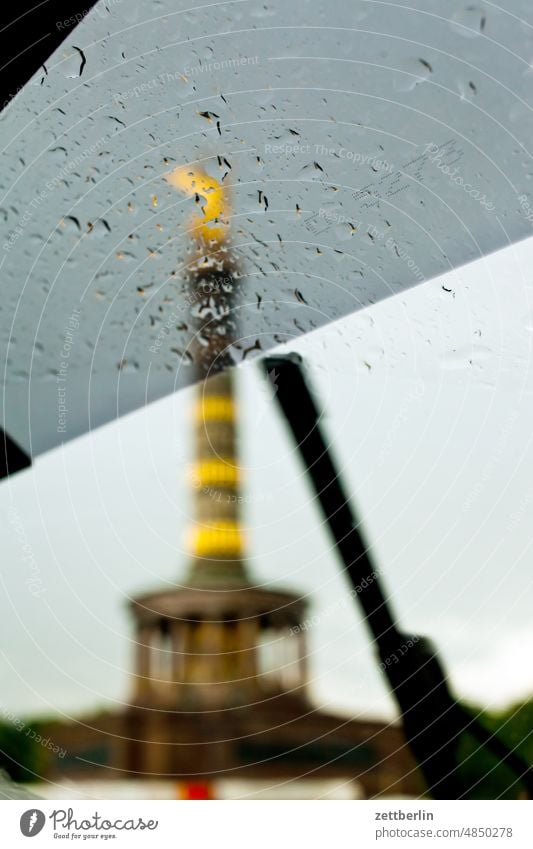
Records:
x=486, y=778
x=20, y=755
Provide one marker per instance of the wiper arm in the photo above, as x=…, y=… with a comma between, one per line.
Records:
x=432, y=718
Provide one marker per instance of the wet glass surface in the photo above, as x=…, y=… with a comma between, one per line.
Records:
x=367, y=147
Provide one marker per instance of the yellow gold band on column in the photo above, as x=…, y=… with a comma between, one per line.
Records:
x=215, y=473
x=215, y=408
x=224, y=539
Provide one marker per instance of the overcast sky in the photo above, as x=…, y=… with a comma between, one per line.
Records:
x=429, y=405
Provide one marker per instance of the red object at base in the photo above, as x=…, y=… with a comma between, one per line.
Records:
x=197, y=791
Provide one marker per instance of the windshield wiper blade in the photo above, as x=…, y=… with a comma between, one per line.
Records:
x=433, y=720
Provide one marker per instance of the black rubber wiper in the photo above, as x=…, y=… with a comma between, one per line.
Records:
x=433, y=720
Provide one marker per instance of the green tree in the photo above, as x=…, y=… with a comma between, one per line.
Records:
x=480, y=770
x=20, y=756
